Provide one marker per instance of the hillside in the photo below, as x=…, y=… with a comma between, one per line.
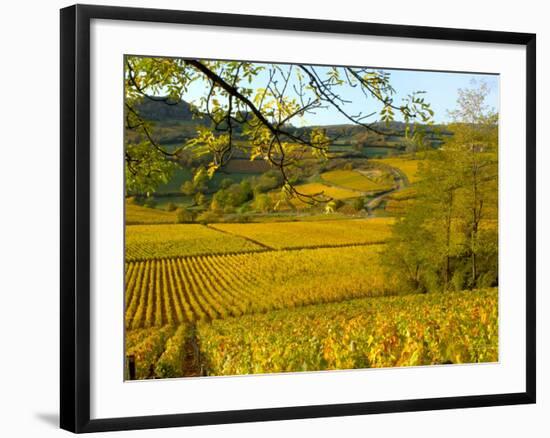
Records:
x=176, y=123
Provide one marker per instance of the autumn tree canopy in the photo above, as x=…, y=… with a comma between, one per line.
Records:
x=448, y=238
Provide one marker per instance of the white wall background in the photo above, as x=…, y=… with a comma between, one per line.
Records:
x=29, y=217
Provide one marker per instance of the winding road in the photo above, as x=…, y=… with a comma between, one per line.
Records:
x=402, y=182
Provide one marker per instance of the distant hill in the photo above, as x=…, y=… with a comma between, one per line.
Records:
x=172, y=123
x=159, y=111
x=175, y=123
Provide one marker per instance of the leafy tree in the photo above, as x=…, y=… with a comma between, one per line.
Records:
x=199, y=183
x=264, y=116
x=475, y=145
x=408, y=257
x=448, y=237
x=234, y=196
x=359, y=204
x=208, y=216
x=150, y=202
x=267, y=181
x=188, y=188
x=225, y=183
x=184, y=216
x=171, y=206
x=246, y=189
x=200, y=180
x=145, y=168
x=263, y=203
x=333, y=205
x=200, y=199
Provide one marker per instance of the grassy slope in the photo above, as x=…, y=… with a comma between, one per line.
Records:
x=181, y=175
x=406, y=165
x=354, y=180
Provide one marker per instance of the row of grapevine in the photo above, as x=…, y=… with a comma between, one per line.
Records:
x=148, y=349
x=170, y=363
x=163, y=352
x=410, y=330
x=145, y=242
x=314, y=234
x=383, y=332
x=172, y=291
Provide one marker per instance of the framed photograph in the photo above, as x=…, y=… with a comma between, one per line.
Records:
x=268, y=218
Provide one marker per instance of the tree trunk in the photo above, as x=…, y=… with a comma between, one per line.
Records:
x=475, y=218
x=448, y=242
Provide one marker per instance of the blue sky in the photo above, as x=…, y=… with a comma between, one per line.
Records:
x=441, y=92
x=442, y=88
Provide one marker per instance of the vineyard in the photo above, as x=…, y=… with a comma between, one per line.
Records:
x=408, y=166
x=286, y=296
x=363, y=333
x=244, y=298
x=385, y=332
x=315, y=189
x=284, y=218
x=171, y=291
x=357, y=181
x=137, y=215
x=283, y=235
x=162, y=241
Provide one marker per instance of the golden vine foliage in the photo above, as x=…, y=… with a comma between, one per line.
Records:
x=161, y=241
x=282, y=235
x=147, y=351
x=412, y=330
x=171, y=291
x=171, y=361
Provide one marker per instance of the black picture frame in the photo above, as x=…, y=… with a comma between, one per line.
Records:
x=75, y=217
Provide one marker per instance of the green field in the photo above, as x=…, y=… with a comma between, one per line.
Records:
x=326, y=190
x=181, y=175
x=408, y=166
x=317, y=190
x=356, y=180
x=178, y=178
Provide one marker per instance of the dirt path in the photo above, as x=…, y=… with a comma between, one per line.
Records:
x=192, y=364
x=402, y=183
